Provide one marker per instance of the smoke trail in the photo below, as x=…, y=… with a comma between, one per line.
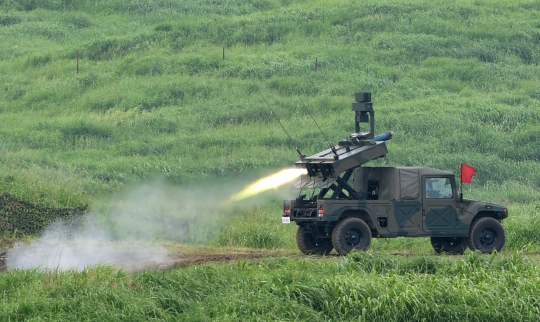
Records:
x=123, y=230
x=270, y=182
x=65, y=247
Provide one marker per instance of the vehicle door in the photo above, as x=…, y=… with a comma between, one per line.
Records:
x=407, y=218
x=439, y=204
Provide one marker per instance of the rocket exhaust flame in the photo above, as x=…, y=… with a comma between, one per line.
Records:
x=271, y=182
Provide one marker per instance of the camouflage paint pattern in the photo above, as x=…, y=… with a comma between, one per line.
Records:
x=393, y=201
x=435, y=217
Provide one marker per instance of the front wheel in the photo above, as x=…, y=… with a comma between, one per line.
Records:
x=450, y=245
x=351, y=233
x=487, y=235
x=310, y=245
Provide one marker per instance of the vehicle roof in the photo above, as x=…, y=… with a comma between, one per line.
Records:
x=395, y=183
x=421, y=170
x=426, y=170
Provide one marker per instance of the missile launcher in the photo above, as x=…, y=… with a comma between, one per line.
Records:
x=337, y=163
x=342, y=203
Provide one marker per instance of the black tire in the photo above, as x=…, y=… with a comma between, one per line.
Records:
x=312, y=246
x=487, y=235
x=351, y=233
x=450, y=245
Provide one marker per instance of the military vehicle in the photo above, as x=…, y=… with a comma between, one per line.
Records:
x=349, y=203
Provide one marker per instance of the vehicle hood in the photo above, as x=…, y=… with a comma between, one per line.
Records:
x=474, y=206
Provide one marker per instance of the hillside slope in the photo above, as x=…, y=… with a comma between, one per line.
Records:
x=154, y=95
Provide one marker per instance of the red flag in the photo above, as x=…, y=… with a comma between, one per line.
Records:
x=467, y=172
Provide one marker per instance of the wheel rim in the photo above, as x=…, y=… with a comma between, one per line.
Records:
x=353, y=237
x=488, y=237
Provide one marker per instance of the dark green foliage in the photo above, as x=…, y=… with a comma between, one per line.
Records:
x=293, y=86
x=19, y=218
x=8, y=20
x=107, y=49
x=165, y=27
x=29, y=5
x=245, y=116
x=88, y=80
x=79, y=21
x=39, y=60
x=108, y=177
x=147, y=149
x=82, y=129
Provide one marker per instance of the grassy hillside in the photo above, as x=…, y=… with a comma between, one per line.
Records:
x=154, y=95
x=155, y=98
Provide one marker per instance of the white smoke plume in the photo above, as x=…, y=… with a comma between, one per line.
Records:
x=65, y=247
x=126, y=230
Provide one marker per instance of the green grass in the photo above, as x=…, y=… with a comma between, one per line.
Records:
x=154, y=95
x=154, y=98
x=363, y=286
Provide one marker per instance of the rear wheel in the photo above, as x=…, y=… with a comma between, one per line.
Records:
x=450, y=245
x=351, y=233
x=310, y=245
x=487, y=235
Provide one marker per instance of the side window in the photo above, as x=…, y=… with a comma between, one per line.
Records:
x=438, y=188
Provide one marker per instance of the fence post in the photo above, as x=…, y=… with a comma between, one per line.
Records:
x=223, y=53
x=316, y=63
x=77, y=61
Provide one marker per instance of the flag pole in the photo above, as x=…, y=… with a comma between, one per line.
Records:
x=461, y=184
x=467, y=171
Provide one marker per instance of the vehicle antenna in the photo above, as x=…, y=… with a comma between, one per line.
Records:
x=336, y=156
x=302, y=156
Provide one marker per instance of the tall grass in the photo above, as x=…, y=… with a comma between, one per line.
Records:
x=363, y=286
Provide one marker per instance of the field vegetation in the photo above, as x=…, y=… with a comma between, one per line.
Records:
x=172, y=89
x=363, y=286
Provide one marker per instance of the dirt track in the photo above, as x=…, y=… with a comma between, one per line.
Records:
x=188, y=260
x=181, y=261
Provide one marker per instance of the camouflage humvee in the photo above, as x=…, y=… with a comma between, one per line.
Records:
x=350, y=204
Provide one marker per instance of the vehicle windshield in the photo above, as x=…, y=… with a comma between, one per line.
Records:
x=438, y=188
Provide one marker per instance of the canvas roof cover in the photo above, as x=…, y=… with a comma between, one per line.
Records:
x=409, y=183
x=395, y=183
